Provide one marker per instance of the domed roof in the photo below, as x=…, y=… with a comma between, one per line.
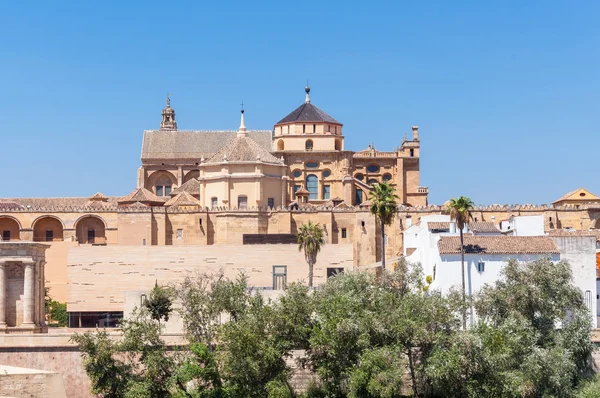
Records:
x=307, y=112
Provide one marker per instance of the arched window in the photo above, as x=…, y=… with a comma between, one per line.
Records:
x=280, y=145
x=358, y=198
x=214, y=202
x=163, y=186
x=242, y=202
x=308, y=145
x=312, y=185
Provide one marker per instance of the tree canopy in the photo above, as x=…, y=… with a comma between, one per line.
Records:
x=361, y=336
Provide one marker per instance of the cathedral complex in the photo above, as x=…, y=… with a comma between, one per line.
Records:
x=231, y=201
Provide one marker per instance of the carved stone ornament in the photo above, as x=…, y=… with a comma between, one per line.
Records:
x=16, y=270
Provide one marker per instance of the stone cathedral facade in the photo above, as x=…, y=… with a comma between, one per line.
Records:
x=229, y=200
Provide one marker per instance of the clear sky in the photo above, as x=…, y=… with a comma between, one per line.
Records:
x=506, y=94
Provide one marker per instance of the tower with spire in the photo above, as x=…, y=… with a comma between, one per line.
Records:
x=168, y=122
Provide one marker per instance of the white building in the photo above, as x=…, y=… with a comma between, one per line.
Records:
x=435, y=243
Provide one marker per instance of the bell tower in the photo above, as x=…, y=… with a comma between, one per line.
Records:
x=168, y=122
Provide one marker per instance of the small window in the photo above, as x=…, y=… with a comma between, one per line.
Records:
x=6, y=235
x=344, y=233
x=271, y=202
x=314, y=128
x=329, y=128
x=373, y=181
x=334, y=271
x=387, y=177
x=167, y=190
x=242, y=202
x=279, y=277
x=412, y=153
x=373, y=168
x=143, y=242
x=308, y=145
x=326, y=191
x=49, y=235
x=304, y=129
x=159, y=190
x=296, y=188
x=91, y=236
x=179, y=234
x=311, y=165
x=480, y=266
x=359, y=177
x=358, y=198
x=335, y=129
x=297, y=173
x=326, y=173
x=214, y=202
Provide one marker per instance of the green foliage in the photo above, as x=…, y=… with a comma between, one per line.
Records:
x=159, y=303
x=310, y=240
x=516, y=349
x=56, y=311
x=589, y=389
x=460, y=210
x=363, y=336
x=384, y=201
x=383, y=206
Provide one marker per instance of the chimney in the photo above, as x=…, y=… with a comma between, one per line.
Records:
x=415, y=130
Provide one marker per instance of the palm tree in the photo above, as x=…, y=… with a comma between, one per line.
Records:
x=383, y=206
x=460, y=212
x=310, y=239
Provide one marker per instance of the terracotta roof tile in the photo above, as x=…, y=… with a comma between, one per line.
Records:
x=243, y=149
x=141, y=195
x=194, y=145
x=438, y=225
x=192, y=187
x=183, y=199
x=498, y=245
x=483, y=226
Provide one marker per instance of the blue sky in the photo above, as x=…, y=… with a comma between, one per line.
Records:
x=506, y=94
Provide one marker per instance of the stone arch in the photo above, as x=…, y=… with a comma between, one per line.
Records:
x=280, y=145
x=338, y=144
x=10, y=228
x=191, y=174
x=47, y=228
x=90, y=229
x=161, y=182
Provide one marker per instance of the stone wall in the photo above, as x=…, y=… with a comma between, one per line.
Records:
x=30, y=383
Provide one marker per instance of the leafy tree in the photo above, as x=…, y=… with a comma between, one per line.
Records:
x=383, y=206
x=55, y=310
x=460, y=212
x=159, y=303
x=310, y=240
x=532, y=338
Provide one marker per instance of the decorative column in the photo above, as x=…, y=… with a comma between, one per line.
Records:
x=42, y=295
x=179, y=176
x=3, y=294
x=28, y=293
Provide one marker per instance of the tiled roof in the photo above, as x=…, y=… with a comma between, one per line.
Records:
x=302, y=191
x=307, y=112
x=581, y=194
x=438, y=225
x=9, y=205
x=58, y=203
x=243, y=149
x=498, y=245
x=141, y=195
x=99, y=196
x=192, y=186
x=158, y=144
x=577, y=232
x=483, y=226
x=183, y=199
